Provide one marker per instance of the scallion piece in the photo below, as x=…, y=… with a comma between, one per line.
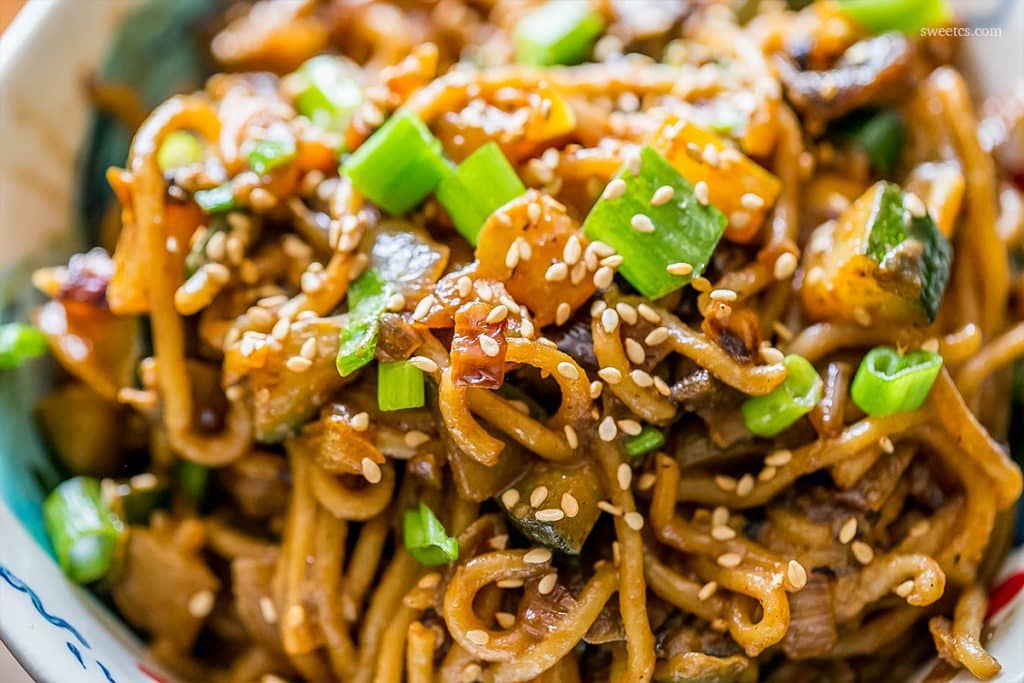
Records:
x=399, y=386
x=84, y=532
x=685, y=231
x=399, y=165
x=425, y=537
x=801, y=390
x=178, y=149
x=367, y=300
x=558, y=32
x=327, y=91
x=18, y=343
x=193, y=480
x=266, y=155
x=220, y=199
x=483, y=182
x=647, y=440
x=197, y=257
x=881, y=136
x=888, y=383
x=908, y=16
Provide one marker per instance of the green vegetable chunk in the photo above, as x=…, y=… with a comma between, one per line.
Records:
x=84, y=532
x=649, y=439
x=399, y=165
x=179, y=148
x=271, y=153
x=907, y=16
x=425, y=538
x=220, y=199
x=482, y=183
x=888, y=383
x=137, y=498
x=399, y=386
x=367, y=301
x=802, y=389
x=18, y=343
x=558, y=32
x=327, y=91
x=685, y=231
x=881, y=136
x=194, y=481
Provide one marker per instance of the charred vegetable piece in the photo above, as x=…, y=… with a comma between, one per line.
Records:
x=558, y=32
x=684, y=230
x=884, y=260
x=178, y=149
x=908, y=16
x=424, y=536
x=399, y=165
x=399, y=386
x=888, y=383
x=367, y=301
x=407, y=259
x=481, y=183
x=802, y=389
x=737, y=185
x=881, y=135
x=18, y=343
x=649, y=439
x=84, y=531
x=478, y=348
x=697, y=667
x=327, y=91
x=566, y=488
x=271, y=153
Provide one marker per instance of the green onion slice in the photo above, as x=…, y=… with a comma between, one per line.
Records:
x=18, y=343
x=647, y=440
x=271, y=153
x=220, y=199
x=399, y=386
x=558, y=32
x=327, y=91
x=482, y=183
x=399, y=165
x=908, y=16
x=425, y=537
x=888, y=383
x=367, y=301
x=84, y=531
x=881, y=136
x=685, y=231
x=179, y=148
x=194, y=481
x=802, y=389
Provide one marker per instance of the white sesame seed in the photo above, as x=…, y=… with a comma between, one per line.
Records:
x=268, y=610
x=603, y=277
x=609, y=320
x=144, y=481
x=414, y=438
x=556, y=272
x=796, y=574
x=711, y=155
x=489, y=346
x=505, y=619
x=729, y=560
x=886, y=444
x=931, y=345
x=308, y=350
x=648, y=314
x=656, y=336
x=478, y=636
x=904, y=589
x=642, y=223
x=862, y=551
x=484, y=291
x=707, y=590
x=614, y=189
x=537, y=556
x=298, y=364
x=571, y=437
x=722, y=533
x=725, y=482
x=634, y=520
x=662, y=195
x=626, y=312
x=739, y=219
x=570, y=506
x=701, y=284
x=547, y=582
x=525, y=250
x=423, y=363
x=562, y=313
x=646, y=481
x=632, y=162
x=371, y=470
x=771, y=355
x=634, y=351
x=549, y=515
x=579, y=272
x=641, y=378
x=538, y=496
x=280, y=329
x=607, y=431
x=573, y=250
x=509, y=498
x=201, y=602
x=610, y=375
x=751, y=201
x=509, y=583
x=785, y=265
x=679, y=269
x=745, y=485
x=512, y=255
x=848, y=530
x=914, y=205
x=701, y=191
x=767, y=474
x=779, y=458
x=423, y=307
x=662, y=387
x=568, y=370
x=720, y=516
x=596, y=387
x=624, y=476
x=630, y=427
x=613, y=261
x=497, y=314
x=464, y=285
x=723, y=295
x=533, y=212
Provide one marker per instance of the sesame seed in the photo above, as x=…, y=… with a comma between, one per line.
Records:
x=767, y=474
x=464, y=285
x=614, y=189
x=701, y=284
x=281, y=329
x=308, y=350
x=711, y=154
x=414, y=438
x=701, y=191
x=610, y=375
x=533, y=212
x=423, y=307
x=607, y=430
x=609, y=320
x=201, y=602
x=679, y=268
x=609, y=508
x=634, y=520
x=648, y=314
x=526, y=327
x=815, y=275
x=371, y=470
x=579, y=272
x=268, y=610
x=634, y=351
x=568, y=370
x=723, y=533
x=848, y=530
x=779, y=458
x=556, y=272
x=624, y=475
x=751, y=201
x=886, y=444
x=785, y=265
x=298, y=364
x=707, y=590
x=796, y=574
x=904, y=589
x=429, y=581
x=914, y=205
x=571, y=437
x=596, y=387
x=729, y=560
x=573, y=250
x=144, y=481
x=632, y=162
x=510, y=583
x=295, y=615
x=505, y=619
x=484, y=291
x=642, y=223
x=723, y=295
x=720, y=516
x=537, y=556
x=739, y=219
x=509, y=498
x=570, y=506
x=725, y=482
x=630, y=427
x=626, y=312
x=662, y=195
x=423, y=363
x=646, y=481
x=930, y=345
x=861, y=316
x=641, y=378
x=603, y=277
x=497, y=314
x=512, y=255
x=745, y=485
x=662, y=386
x=360, y=421
x=862, y=551
x=547, y=583
x=396, y=302
x=538, y=496
x=562, y=313
x=771, y=355
x=549, y=515
x=489, y=346
x=656, y=336
x=478, y=636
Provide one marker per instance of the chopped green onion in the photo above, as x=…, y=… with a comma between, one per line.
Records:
x=908, y=16
x=881, y=136
x=685, y=231
x=646, y=441
x=399, y=386
x=178, y=149
x=483, y=182
x=84, y=532
x=801, y=390
x=425, y=537
x=887, y=383
x=367, y=301
x=194, y=480
x=220, y=199
x=136, y=499
x=558, y=32
x=266, y=155
x=18, y=343
x=327, y=91
x=399, y=165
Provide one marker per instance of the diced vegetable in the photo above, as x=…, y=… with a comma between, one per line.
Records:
x=399, y=386
x=82, y=428
x=569, y=488
x=220, y=199
x=737, y=186
x=327, y=91
x=888, y=383
x=558, y=32
x=770, y=414
x=425, y=537
x=878, y=263
x=271, y=153
x=399, y=165
x=367, y=301
x=407, y=258
x=481, y=183
x=178, y=149
x=84, y=532
x=685, y=231
x=881, y=136
x=18, y=343
x=135, y=499
x=649, y=439
x=193, y=480
x=472, y=365
x=908, y=16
